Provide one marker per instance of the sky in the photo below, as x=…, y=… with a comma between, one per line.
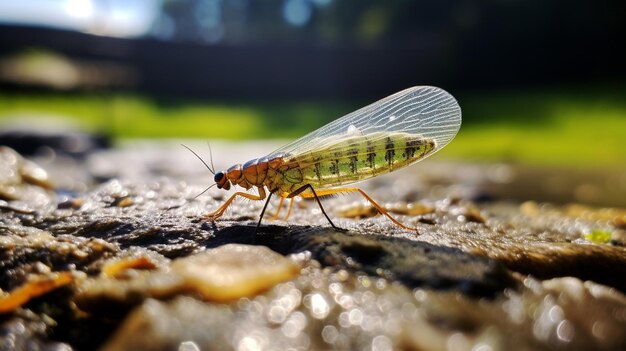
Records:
x=116, y=18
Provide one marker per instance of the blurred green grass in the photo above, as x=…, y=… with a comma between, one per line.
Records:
x=584, y=127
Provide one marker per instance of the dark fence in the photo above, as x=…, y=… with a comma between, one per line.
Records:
x=488, y=60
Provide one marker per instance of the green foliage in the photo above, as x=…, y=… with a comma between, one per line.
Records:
x=532, y=127
x=133, y=116
x=550, y=127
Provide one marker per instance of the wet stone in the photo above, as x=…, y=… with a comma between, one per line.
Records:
x=328, y=309
x=31, y=135
x=232, y=271
x=27, y=250
x=414, y=263
x=24, y=186
x=473, y=276
x=222, y=274
x=28, y=331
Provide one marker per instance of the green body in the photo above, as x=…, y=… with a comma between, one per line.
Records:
x=352, y=159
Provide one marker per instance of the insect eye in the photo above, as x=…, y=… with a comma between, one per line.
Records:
x=218, y=177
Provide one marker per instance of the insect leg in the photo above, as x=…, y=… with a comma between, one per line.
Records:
x=220, y=211
x=367, y=197
x=308, y=186
x=263, y=211
x=289, y=210
x=280, y=206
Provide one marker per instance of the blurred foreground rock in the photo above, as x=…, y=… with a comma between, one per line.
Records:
x=146, y=272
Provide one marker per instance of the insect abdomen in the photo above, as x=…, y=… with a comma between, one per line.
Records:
x=359, y=157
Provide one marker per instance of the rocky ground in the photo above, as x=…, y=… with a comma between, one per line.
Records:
x=109, y=251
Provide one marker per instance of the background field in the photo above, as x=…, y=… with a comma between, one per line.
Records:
x=574, y=127
x=540, y=83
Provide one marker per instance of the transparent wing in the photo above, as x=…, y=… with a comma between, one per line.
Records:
x=422, y=110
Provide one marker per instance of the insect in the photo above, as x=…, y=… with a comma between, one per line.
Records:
x=379, y=138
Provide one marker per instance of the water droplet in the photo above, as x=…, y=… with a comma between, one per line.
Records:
x=276, y=314
x=355, y=316
x=381, y=343
x=482, y=347
x=319, y=306
x=250, y=343
x=294, y=324
x=188, y=346
x=565, y=331
x=352, y=130
x=457, y=341
x=330, y=334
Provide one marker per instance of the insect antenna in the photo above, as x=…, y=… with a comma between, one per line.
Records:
x=200, y=158
x=195, y=197
x=210, y=155
x=203, y=191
